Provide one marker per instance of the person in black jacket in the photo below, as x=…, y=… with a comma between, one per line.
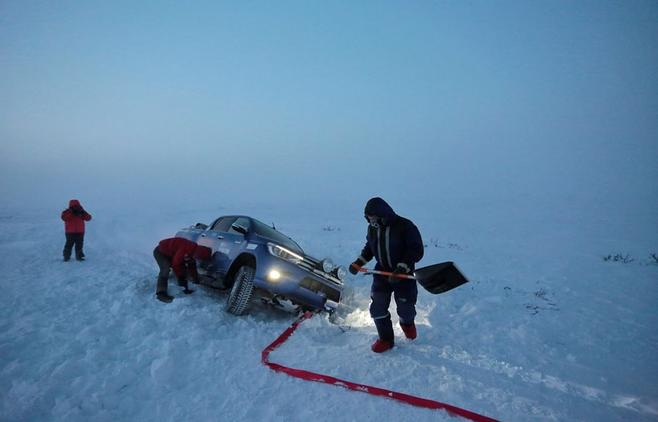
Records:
x=396, y=244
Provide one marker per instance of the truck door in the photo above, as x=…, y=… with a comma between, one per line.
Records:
x=234, y=242
x=214, y=239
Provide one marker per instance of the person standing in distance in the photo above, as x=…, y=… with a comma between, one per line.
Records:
x=396, y=244
x=74, y=218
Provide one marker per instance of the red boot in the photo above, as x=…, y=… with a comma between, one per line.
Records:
x=409, y=330
x=381, y=346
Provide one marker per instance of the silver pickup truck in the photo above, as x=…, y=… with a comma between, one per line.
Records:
x=253, y=260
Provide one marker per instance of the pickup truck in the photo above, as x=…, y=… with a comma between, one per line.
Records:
x=252, y=259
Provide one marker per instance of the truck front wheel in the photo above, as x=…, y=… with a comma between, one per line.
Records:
x=242, y=290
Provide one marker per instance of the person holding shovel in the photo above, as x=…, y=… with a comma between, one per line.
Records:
x=396, y=244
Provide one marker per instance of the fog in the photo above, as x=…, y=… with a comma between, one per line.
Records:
x=432, y=103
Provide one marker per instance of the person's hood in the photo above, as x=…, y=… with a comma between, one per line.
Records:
x=377, y=206
x=74, y=203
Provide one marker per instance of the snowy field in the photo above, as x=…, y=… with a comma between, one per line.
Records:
x=521, y=137
x=546, y=329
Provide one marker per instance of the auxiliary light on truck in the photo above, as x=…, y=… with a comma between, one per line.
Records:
x=273, y=275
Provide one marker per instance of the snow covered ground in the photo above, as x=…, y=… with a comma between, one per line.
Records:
x=546, y=329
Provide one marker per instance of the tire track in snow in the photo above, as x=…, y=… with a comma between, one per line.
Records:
x=514, y=372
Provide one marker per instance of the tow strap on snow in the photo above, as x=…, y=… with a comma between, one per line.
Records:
x=312, y=376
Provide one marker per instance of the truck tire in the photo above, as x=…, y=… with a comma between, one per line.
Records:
x=242, y=290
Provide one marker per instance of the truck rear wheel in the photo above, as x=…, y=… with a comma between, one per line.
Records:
x=242, y=290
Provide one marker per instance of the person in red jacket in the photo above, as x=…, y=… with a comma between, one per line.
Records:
x=178, y=254
x=74, y=227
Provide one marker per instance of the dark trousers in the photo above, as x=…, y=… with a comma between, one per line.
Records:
x=164, y=262
x=72, y=239
x=405, y=293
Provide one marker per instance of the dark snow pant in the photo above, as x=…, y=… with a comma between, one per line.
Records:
x=164, y=262
x=405, y=293
x=72, y=239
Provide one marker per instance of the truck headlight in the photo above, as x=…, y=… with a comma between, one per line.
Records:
x=341, y=272
x=327, y=265
x=283, y=253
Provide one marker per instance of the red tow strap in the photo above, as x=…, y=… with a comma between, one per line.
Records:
x=312, y=376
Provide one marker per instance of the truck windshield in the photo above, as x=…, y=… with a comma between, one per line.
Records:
x=268, y=232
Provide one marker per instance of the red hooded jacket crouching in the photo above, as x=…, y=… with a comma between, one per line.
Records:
x=182, y=253
x=74, y=217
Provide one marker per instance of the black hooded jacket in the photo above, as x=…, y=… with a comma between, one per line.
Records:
x=395, y=241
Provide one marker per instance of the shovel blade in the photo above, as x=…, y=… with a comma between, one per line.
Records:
x=440, y=278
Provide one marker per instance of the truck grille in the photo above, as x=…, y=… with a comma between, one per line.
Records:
x=316, y=286
x=312, y=265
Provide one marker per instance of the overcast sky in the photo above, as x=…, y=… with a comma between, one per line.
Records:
x=346, y=99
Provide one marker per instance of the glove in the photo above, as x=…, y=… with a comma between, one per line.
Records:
x=79, y=211
x=354, y=267
x=399, y=269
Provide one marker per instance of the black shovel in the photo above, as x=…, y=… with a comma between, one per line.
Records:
x=437, y=278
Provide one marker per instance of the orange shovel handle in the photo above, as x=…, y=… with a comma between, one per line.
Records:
x=388, y=273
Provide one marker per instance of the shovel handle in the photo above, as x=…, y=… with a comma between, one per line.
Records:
x=388, y=273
